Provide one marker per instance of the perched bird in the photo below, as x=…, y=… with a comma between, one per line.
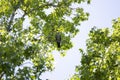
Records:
x=58, y=39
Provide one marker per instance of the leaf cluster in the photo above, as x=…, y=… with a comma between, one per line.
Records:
x=27, y=32
x=102, y=57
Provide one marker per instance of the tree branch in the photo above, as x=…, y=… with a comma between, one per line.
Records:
x=1, y=75
x=25, y=13
x=12, y=17
x=48, y=4
x=10, y=22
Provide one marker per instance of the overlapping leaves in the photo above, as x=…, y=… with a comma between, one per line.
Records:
x=35, y=42
x=102, y=58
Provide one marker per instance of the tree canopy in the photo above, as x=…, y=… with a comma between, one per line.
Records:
x=27, y=32
x=102, y=57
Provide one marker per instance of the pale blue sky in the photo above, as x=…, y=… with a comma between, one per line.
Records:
x=101, y=14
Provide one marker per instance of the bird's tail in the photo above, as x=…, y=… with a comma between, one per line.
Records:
x=58, y=44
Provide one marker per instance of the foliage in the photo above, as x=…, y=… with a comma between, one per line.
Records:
x=102, y=58
x=21, y=40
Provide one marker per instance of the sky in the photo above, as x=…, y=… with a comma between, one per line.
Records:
x=102, y=12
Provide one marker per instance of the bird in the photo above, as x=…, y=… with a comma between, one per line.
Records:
x=58, y=39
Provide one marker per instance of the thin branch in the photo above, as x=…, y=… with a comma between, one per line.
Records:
x=48, y=4
x=1, y=75
x=12, y=17
x=10, y=22
x=25, y=13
